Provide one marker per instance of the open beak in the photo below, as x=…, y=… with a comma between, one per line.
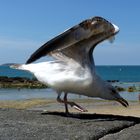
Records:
x=123, y=102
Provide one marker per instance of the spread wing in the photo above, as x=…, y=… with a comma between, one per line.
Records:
x=64, y=40
x=77, y=42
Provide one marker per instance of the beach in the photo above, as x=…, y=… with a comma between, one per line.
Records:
x=44, y=99
x=35, y=96
x=92, y=105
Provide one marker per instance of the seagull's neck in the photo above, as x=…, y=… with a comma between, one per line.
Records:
x=88, y=63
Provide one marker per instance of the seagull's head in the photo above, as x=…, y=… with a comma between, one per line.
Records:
x=99, y=29
x=110, y=93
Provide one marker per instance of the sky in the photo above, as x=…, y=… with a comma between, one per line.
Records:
x=27, y=24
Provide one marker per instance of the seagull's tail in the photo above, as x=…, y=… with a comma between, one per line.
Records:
x=16, y=66
x=23, y=67
x=13, y=65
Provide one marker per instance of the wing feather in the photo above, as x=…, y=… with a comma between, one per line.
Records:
x=78, y=42
x=64, y=40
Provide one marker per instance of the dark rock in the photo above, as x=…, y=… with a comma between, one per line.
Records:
x=112, y=81
x=120, y=88
x=131, y=89
x=20, y=82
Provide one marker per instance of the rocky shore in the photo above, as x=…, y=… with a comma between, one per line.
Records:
x=18, y=82
x=23, y=82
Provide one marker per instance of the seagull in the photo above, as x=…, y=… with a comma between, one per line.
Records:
x=73, y=68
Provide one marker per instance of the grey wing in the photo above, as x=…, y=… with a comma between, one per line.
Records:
x=62, y=41
x=78, y=42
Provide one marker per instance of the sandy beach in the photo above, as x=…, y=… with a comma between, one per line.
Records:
x=93, y=106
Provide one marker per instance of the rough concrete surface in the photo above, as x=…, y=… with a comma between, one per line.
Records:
x=131, y=133
x=35, y=125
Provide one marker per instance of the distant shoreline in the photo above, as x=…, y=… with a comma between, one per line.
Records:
x=20, y=82
x=28, y=83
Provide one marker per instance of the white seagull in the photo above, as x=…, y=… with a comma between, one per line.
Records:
x=73, y=68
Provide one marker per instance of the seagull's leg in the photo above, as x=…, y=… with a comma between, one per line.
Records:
x=72, y=104
x=58, y=98
x=66, y=103
x=63, y=101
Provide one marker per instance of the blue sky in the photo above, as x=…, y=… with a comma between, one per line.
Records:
x=27, y=24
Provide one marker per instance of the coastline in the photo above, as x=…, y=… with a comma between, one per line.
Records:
x=93, y=106
x=20, y=82
x=27, y=83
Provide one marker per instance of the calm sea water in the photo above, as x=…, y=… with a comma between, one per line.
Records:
x=14, y=94
x=121, y=73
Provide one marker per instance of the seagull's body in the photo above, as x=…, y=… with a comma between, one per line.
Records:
x=73, y=70
x=62, y=76
x=66, y=77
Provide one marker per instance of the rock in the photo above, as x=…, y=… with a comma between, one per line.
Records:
x=120, y=88
x=20, y=82
x=131, y=89
x=32, y=125
x=131, y=133
x=112, y=81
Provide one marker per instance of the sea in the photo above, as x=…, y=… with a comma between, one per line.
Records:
x=125, y=75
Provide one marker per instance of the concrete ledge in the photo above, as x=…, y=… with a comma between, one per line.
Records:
x=35, y=125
